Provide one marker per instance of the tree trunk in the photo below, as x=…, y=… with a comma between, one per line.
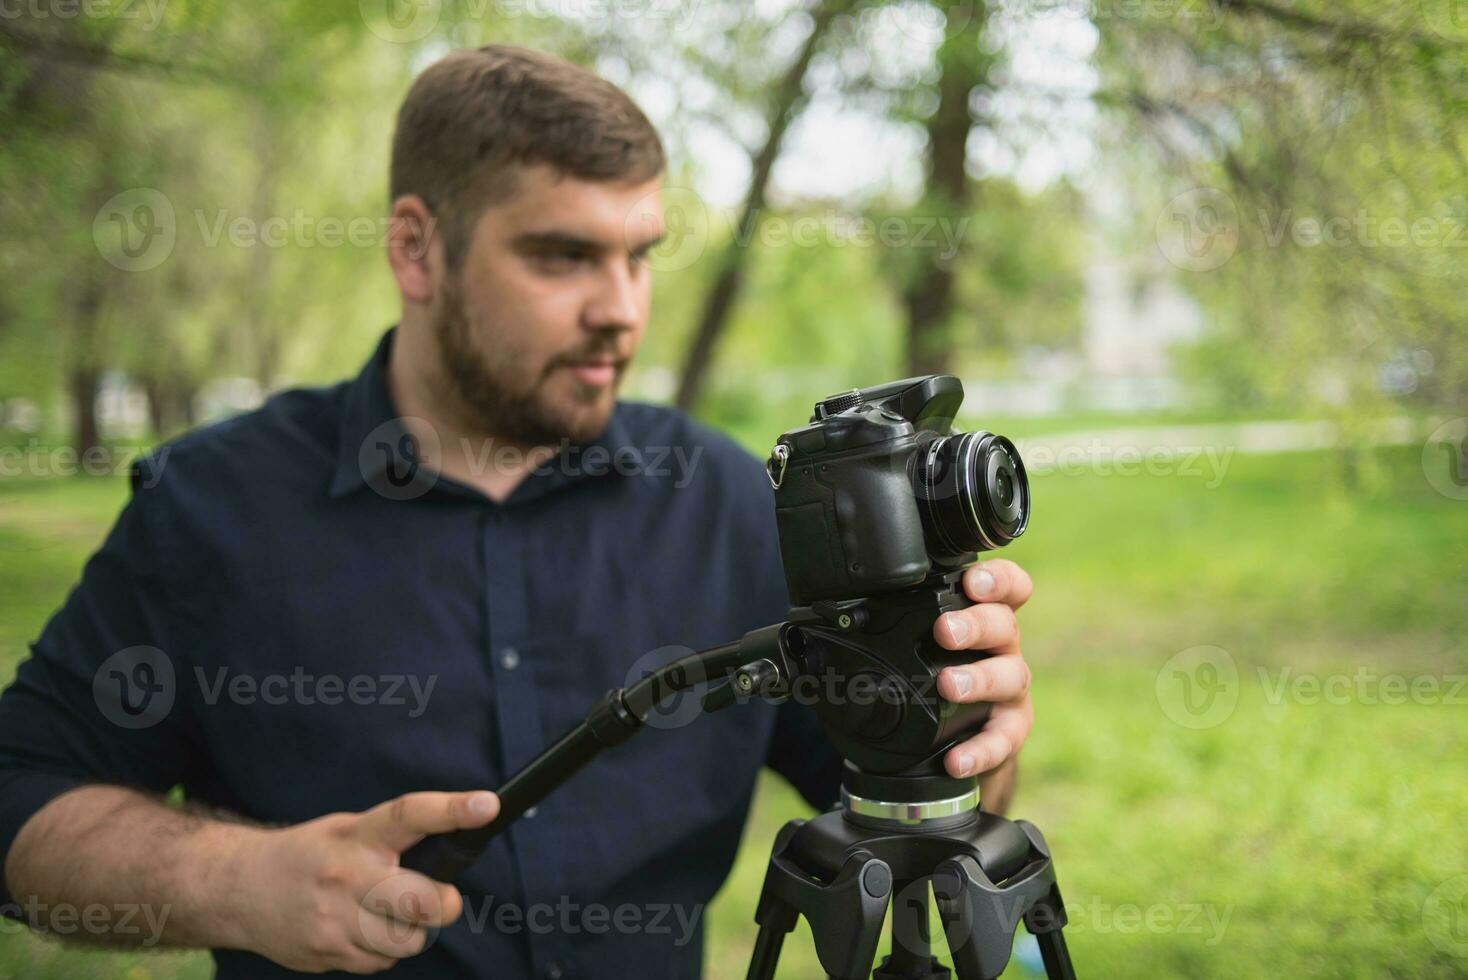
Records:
x=928, y=295
x=785, y=104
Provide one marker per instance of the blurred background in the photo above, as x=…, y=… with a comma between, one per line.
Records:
x=1203, y=260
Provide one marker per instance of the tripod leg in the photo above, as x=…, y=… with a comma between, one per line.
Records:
x=766, y=953
x=912, y=952
x=1055, y=955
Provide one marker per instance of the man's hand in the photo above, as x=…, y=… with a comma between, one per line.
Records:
x=328, y=894
x=999, y=587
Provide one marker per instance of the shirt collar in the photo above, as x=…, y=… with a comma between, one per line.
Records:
x=374, y=451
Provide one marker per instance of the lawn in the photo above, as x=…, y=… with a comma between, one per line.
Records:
x=1249, y=701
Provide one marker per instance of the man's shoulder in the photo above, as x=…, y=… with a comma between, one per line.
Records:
x=294, y=435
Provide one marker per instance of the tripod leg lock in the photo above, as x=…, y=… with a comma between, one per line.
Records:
x=845, y=914
x=980, y=917
x=610, y=721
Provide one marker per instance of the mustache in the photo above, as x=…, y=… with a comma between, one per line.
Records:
x=598, y=353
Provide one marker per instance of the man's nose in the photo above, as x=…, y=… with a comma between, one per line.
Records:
x=617, y=303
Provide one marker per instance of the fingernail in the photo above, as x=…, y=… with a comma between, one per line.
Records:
x=481, y=805
x=962, y=683
x=965, y=763
x=958, y=628
x=983, y=583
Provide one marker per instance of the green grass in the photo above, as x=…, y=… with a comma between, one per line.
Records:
x=1293, y=837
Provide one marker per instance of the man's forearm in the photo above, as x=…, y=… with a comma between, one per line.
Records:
x=112, y=865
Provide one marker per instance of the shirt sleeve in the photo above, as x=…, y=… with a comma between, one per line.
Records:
x=97, y=701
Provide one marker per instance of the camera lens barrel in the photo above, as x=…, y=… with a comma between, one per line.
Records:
x=972, y=492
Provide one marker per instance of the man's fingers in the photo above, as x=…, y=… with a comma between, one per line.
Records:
x=992, y=679
x=998, y=580
x=399, y=824
x=389, y=936
x=1002, y=736
x=413, y=899
x=986, y=626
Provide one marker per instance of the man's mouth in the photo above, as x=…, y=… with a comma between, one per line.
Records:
x=596, y=373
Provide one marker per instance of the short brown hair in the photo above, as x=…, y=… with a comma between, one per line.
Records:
x=474, y=115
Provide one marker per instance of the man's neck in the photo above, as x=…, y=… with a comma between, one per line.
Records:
x=466, y=452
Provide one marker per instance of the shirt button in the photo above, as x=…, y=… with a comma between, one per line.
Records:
x=509, y=658
x=530, y=812
x=553, y=970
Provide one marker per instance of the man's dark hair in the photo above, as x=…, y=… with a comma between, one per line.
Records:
x=474, y=116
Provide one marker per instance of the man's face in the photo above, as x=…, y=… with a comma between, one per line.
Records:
x=536, y=328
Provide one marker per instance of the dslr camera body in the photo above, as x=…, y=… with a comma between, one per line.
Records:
x=880, y=506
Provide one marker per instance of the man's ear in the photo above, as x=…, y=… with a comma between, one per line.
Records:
x=414, y=249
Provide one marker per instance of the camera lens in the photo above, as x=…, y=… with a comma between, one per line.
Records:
x=972, y=492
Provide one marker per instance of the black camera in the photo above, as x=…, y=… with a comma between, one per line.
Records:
x=877, y=493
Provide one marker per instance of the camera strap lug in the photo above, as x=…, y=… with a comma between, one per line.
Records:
x=779, y=455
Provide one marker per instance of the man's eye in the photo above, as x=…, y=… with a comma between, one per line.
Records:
x=561, y=258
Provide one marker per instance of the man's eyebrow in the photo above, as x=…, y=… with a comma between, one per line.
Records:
x=535, y=240
x=648, y=244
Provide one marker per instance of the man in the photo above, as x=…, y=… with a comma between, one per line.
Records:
x=299, y=615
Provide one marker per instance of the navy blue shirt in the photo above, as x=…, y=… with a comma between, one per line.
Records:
x=292, y=617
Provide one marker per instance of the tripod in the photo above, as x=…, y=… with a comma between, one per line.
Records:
x=900, y=828
x=841, y=869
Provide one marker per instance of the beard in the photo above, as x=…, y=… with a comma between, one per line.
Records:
x=505, y=393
